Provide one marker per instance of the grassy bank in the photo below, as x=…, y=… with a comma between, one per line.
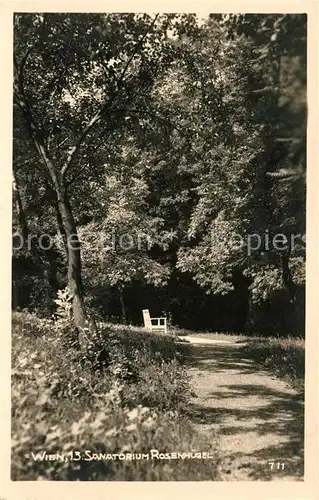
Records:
x=128, y=396
x=285, y=357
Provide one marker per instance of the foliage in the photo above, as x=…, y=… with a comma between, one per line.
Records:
x=180, y=137
x=169, y=145
x=63, y=303
x=133, y=405
x=240, y=195
x=115, y=245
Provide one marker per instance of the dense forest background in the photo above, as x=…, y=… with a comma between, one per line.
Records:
x=160, y=142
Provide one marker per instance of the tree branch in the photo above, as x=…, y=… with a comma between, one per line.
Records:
x=19, y=206
x=19, y=89
x=26, y=111
x=98, y=115
x=138, y=45
x=159, y=118
x=54, y=83
x=36, y=136
x=266, y=89
x=154, y=115
x=20, y=71
x=79, y=172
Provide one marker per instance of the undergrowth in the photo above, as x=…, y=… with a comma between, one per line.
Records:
x=130, y=396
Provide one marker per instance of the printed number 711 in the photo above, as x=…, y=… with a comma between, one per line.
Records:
x=276, y=465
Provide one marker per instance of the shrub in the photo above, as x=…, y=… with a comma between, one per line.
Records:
x=27, y=324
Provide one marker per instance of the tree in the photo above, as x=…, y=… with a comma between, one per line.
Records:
x=75, y=69
x=117, y=240
x=239, y=196
x=139, y=125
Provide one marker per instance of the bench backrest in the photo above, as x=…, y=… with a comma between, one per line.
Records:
x=147, y=318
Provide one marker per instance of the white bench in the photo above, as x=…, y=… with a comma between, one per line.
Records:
x=154, y=324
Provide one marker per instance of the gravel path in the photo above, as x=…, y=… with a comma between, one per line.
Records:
x=257, y=417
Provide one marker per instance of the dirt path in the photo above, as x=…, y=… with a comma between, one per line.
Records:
x=257, y=417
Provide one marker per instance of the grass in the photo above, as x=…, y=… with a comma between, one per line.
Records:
x=285, y=357
x=128, y=395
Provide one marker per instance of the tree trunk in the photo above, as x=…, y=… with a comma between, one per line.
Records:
x=66, y=222
x=64, y=208
x=20, y=211
x=74, y=259
x=23, y=225
x=15, y=294
x=52, y=196
x=297, y=323
x=72, y=240
x=287, y=278
x=123, y=310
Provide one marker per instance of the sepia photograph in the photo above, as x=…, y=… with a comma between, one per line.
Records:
x=158, y=246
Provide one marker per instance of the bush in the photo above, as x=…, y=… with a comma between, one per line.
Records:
x=28, y=325
x=63, y=403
